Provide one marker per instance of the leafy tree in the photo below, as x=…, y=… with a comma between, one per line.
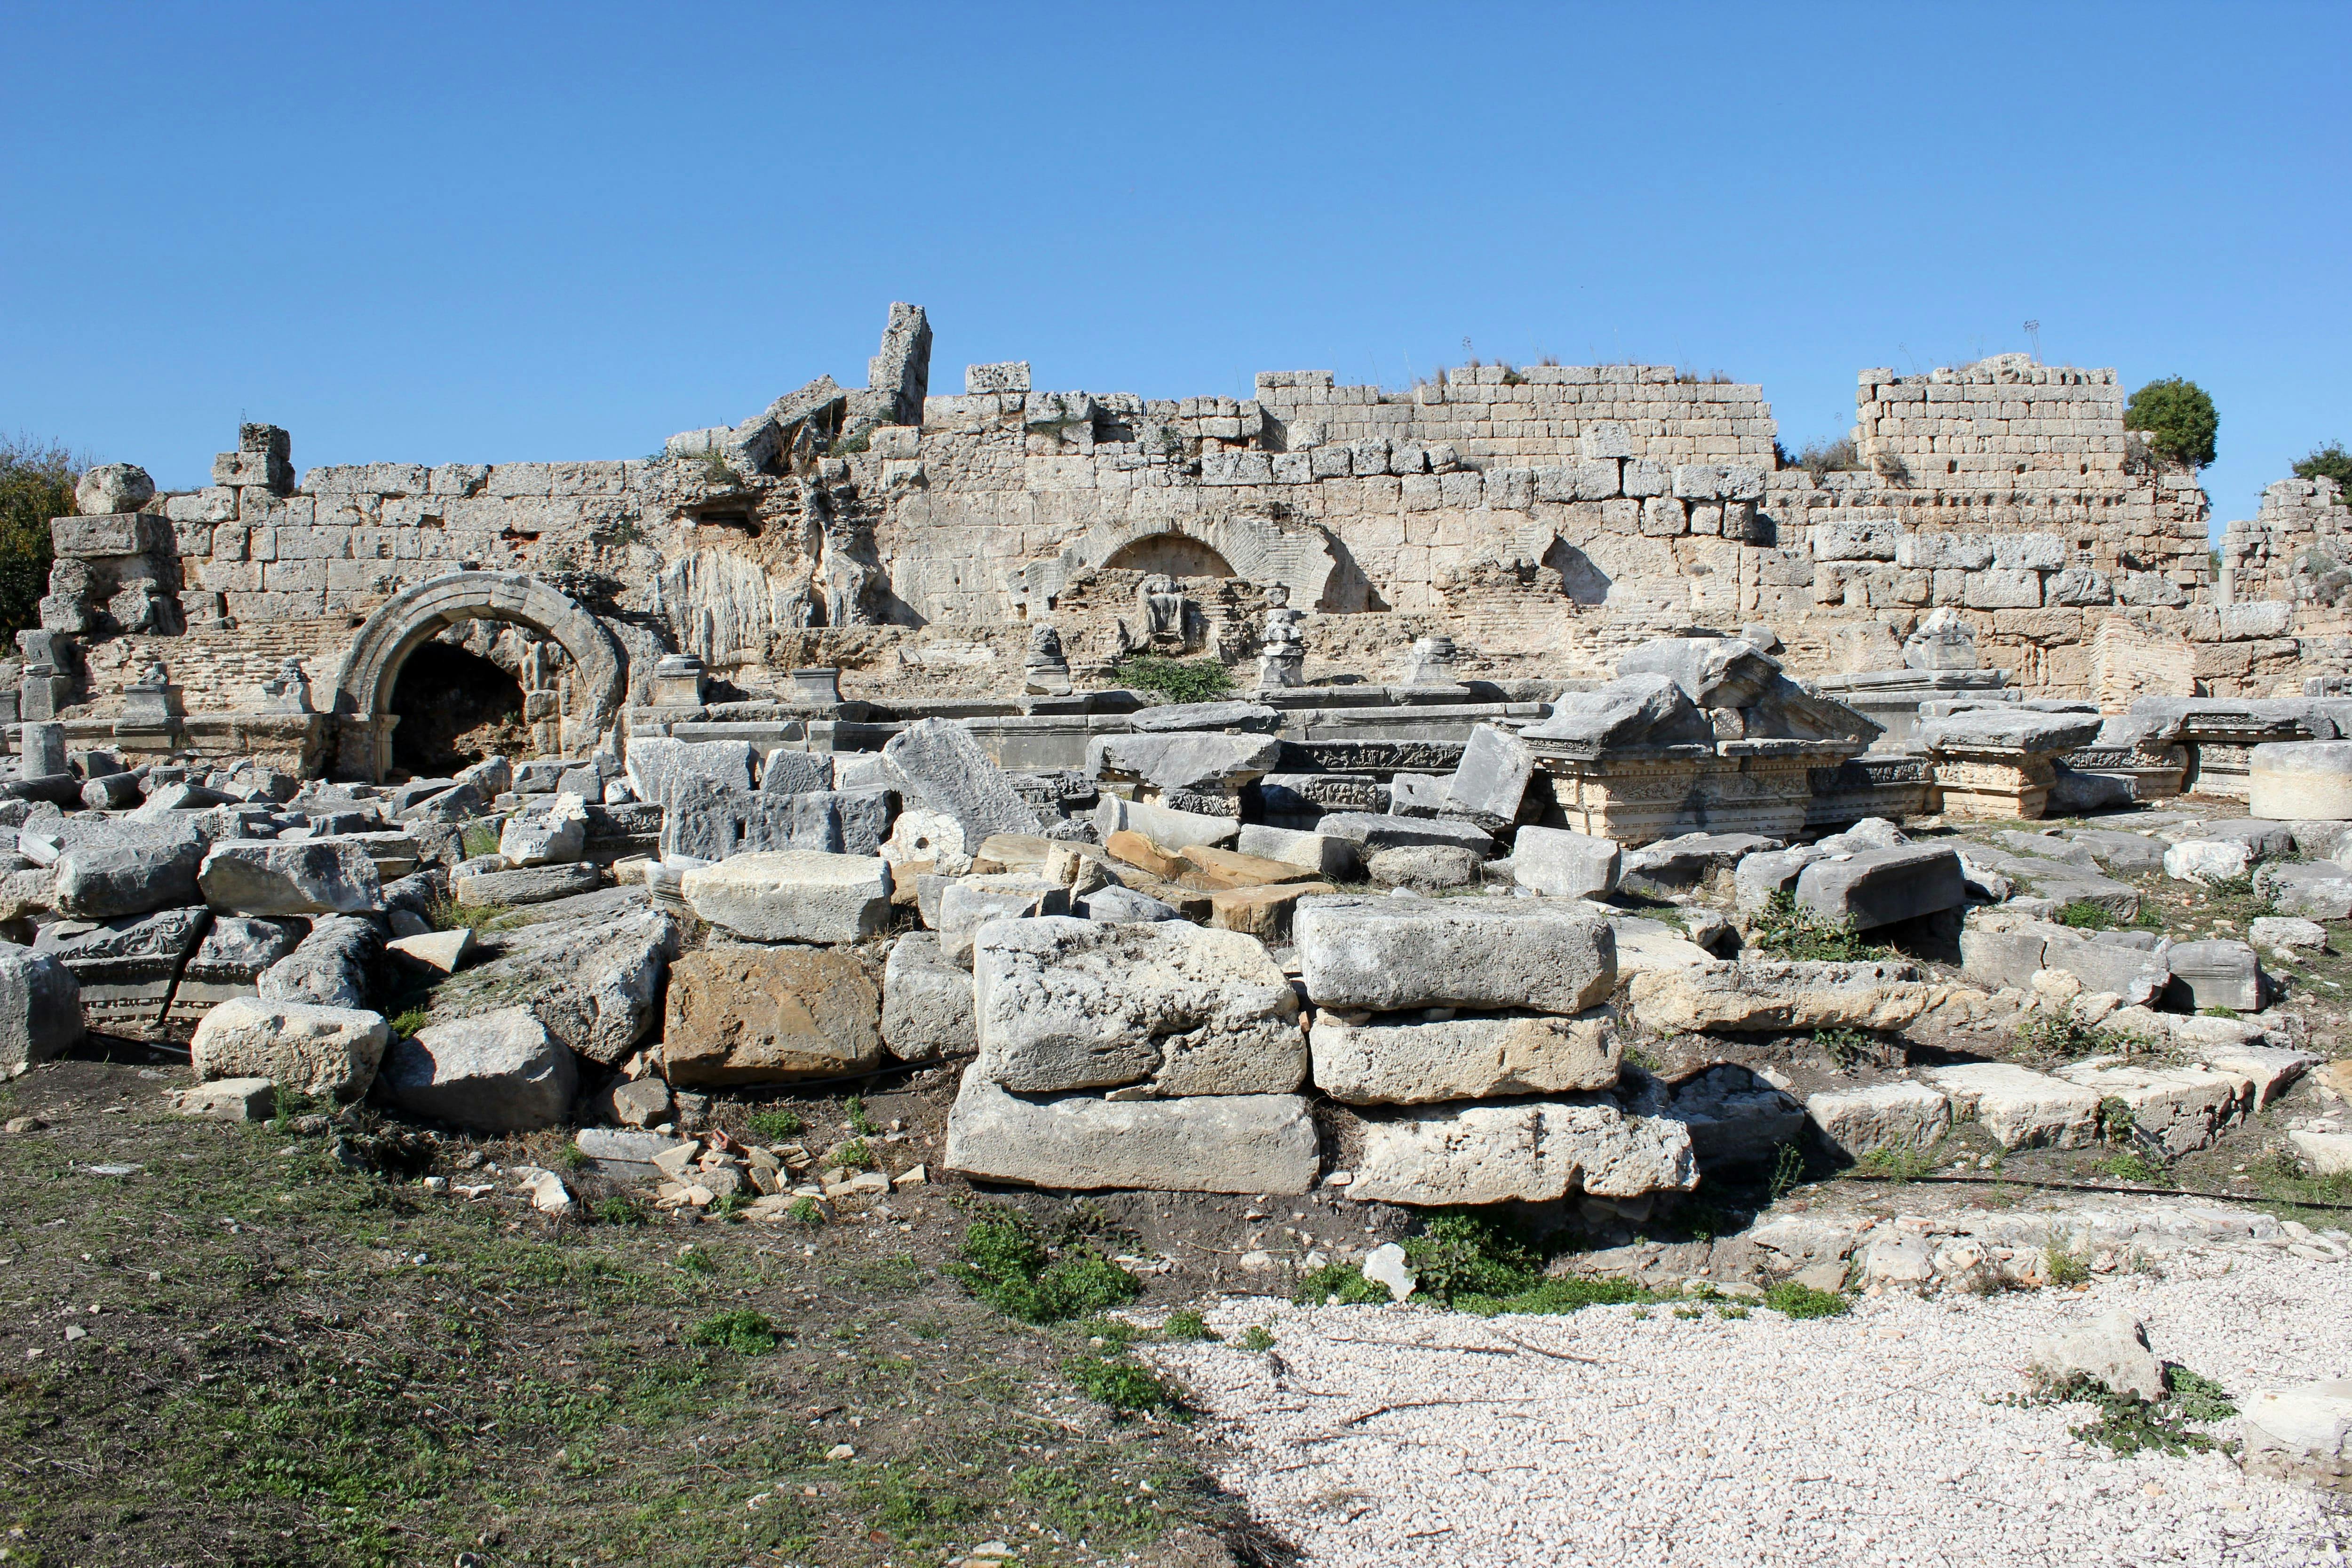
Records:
x=2179, y=420
x=2329, y=462
x=36, y=483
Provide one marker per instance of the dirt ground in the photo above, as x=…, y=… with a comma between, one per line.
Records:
x=224, y=1346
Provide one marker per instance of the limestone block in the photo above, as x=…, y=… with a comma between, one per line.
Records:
x=1205, y=1143
x=125, y=871
x=1199, y=761
x=968, y=903
x=2021, y=1109
x=1266, y=913
x=1401, y=1058
x=1324, y=854
x=1063, y=1005
x=1756, y=995
x=1856, y=1122
x=2327, y=1153
x=535, y=885
x=329, y=967
x=2303, y=1432
x=2110, y=1350
x=1163, y=826
x=495, y=1072
x=1531, y=1151
x=40, y=1008
x=1950, y=552
x=589, y=968
x=2184, y=1109
x=2316, y=889
x=793, y=895
x=1856, y=541
x=1736, y=1117
x=278, y=877
x=926, y=1001
x=2219, y=973
x=1880, y=887
x=2001, y=589
x=1490, y=783
x=1692, y=859
x=1565, y=864
x=2207, y=860
x=1388, y=953
x=2028, y=552
x=550, y=834
x=2301, y=781
x=752, y=1015
x=332, y=1051
x=654, y=760
x=1373, y=833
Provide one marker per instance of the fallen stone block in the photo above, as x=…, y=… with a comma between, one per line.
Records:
x=2300, y=779
x=1062, y=1004
x=967, y=903
x=927, y=1002
x=1881, y=887
x=2315, y=890
x=2207, y=860
x=1644, y=944
x=2215, y=974
x=2301, y=1433
x=2275, y=931
x=1737, y=1116
x=1168, y=828
x=1255, y=717
x=2133, y=966
x=1760, y=877
x=793, y=896
x=2184, y=1109
x=123, y=874
x=1372, y=834
x=1674, y=865
x=1402, y=1059
x=1859, y=1123
x=40, y=1008
x=2327, y=1154
x=227, y=1099
x=1418, y=795
x=748, y=1015
x=589, y=968
x=2272, y=1070
x=1531, y=1151
x=1388, y=953
x=1211, y=869
x=655, y=759
x=1200, y=763
x=328, y=968
x=952, y=776
x=126, y=967
x=266, y=877
x=1203, y=1143
x=1753, y=995
x=551, y=834
x=331, y=1051
x=1564, y=865
x=537, y=885
x=440, y=950
x=787, y=772
x=1322, y=854
x=227, y=963
x=1490, y=783
x=1269, y=914
x=1432, y=867
x=2111, y=1349
x=495, y=1072
x=2021, y=1109
x=1122, y=906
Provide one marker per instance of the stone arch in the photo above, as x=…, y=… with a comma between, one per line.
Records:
x=1175, y=555
x=1299, y=556
x=363, y=684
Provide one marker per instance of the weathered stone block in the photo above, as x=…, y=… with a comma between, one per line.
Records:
x=1565, y=864
x=1205, y=1143
x=926, y=1001
x=1388, y=953
x=1880, y=887
x=793, y=896
x=1860, y=1121
x=748, y=1015
x=1531, y=1151
x=1404, y=1059
x=331, y=1051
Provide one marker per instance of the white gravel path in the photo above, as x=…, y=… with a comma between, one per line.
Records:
x=1863, y=1439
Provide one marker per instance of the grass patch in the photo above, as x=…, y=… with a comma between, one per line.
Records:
x=1121, y=1384
x=450, y=914
x=2085, y=915
x=2132, y=1165
x=1187, y=1326
x=743, y=1331
x=405, y=1025
x=1008, y=1265
x=1256, y=1337
x=1179, y=680
x=1895, y=1163
x=1787, y=930
x=854, y=1155
x=776, y=1123
x=805, y=1212
x=1338, y=1284
x=2065, y=1034
x=860, y=1122
x=2066, y=1267
x=1794, y=1301
x=478, y=840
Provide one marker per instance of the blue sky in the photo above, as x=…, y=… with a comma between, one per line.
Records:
x=482, y=232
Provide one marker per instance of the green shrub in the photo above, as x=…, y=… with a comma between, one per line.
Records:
x=1788, y=930
x=2329, y=462
x=1792, y=1300
x=744, y=1331
x=2198, y=1398
x=1188, y=1325
x=1256, y=1337
x=1461, y=1252
x=478, y=840
x=36, y=483
x=618, y=1210
x=2128, y=1424
x=775, y=1123
x=2085, y=915
x=1179, y=680
x=1007, y=1265
x=2178, y=418
x=2065, y=1034
x=806, y=1211
x=405, y=1024
x=1820, y=457
x=1121, y=1384
x=2066, y=1267
x=854, y=1155
x=1340, y=1283
x=859, y=1121
x=448, y=914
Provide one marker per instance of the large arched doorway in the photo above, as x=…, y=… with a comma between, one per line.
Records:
x=596, y=682
x=454, y=708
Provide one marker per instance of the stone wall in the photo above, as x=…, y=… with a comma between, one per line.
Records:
x=1548, y=518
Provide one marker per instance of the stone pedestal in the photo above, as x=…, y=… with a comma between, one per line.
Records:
x=819, y=687
x=1994, y=783
x=1430, y=663
x=680, y=680
x=1281, y=670
x=1892, y=698
x=1639, y=795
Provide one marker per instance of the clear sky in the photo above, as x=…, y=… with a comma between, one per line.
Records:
x=481, y=231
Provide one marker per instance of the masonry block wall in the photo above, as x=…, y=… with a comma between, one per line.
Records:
x=1548, y=518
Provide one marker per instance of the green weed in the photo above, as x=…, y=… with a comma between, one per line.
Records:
x=854, y=1155
x=859, y=1121
x=2085, y=915
x=1460, y=1252
x=618, y=1210
x=1180, y=681
x=1342, y=1284
x=1120, y=1383
x=1897, y=1163
x=1256, y=1337
x=779, y=1124
x=449, y=914
x=1787, y=930
x=1007, y=1264
x=405, y=1025
x=478, y=840
x=2066, y=1267
x=1794, y=1301
x=744, y=1331
x=1187, y=1325
x=806, y=1211
x=2199, y=1398
x=2126, y=1424
x=1557, y=1297
x=1788, y=1172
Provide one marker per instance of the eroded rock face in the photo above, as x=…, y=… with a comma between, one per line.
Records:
x=751, y=1014
x=1171, y=1008
x=1529, y=1150
x=329, y=967
x=589, y=968
x=1201, y=1144
x=1404, y=1058
x=332, y=1051
x=1385, y=954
